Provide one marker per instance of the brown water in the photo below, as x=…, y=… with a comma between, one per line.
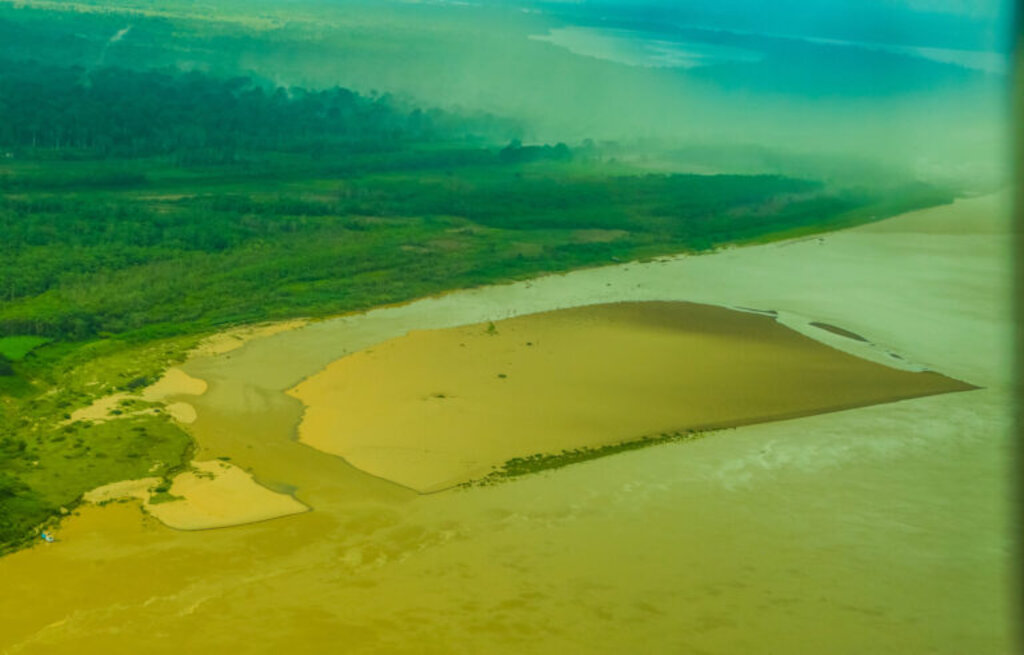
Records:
x=884, y=529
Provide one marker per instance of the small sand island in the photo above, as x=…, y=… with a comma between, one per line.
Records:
x=436, y=408
x=211, y=494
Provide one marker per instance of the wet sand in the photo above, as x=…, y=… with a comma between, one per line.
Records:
x=137, y=489
x=235, y=338
x=217, y=495
x=884, y=529
x=174, y=382
x=212, y=494
x=433, y=409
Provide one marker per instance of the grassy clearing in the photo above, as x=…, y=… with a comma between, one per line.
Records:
x=16, y=347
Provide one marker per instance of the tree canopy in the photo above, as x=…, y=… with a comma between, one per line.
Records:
x=114, y=112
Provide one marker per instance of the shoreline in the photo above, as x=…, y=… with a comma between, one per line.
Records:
x=231, y=341
x=234, y=339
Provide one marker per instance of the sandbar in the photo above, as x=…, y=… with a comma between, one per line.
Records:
x=174, y=382
x=217, y=494
x=124, y=489
x=211, y=494
x=435, y=408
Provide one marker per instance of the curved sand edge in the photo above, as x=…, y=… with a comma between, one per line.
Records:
x=213, y=494
x=174, y=382
x=217, y=494
x=125, y=489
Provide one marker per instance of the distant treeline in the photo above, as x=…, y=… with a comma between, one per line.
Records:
x=113, y=112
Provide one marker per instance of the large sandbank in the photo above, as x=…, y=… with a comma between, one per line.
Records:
x=435, y=408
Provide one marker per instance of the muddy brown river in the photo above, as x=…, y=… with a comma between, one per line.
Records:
x=879, y=529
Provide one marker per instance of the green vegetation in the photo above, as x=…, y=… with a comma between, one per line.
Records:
x=518, y=466
x=137, y=228
x=47, y=462
x=21, y=510
x=183, y=253
x=75, y=113
x=162, y=493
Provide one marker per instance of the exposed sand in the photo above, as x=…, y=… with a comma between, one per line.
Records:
x=229, y=340
x=212, y=494
x=885, y=529
x=218, y=494
x=99, y=410
x=174, y=382
x=181, y=412
x=138, y=489
x=435, y=408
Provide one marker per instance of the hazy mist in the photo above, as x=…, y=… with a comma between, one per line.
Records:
x=913, y=87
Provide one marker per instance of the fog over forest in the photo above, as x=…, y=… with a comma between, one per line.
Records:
x=881, y=86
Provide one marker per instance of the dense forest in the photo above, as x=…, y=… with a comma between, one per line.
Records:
x=113, y=112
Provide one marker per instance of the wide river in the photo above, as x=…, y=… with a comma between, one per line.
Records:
x=883, y=529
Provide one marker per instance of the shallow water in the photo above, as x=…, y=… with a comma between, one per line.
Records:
x=884, y=529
